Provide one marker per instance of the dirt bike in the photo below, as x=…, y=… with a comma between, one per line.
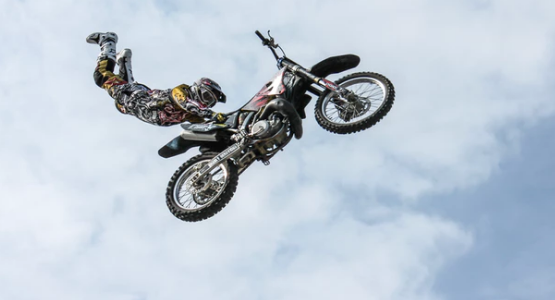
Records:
x=204, y=184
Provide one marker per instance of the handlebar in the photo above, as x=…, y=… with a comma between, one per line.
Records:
x=264, y=40
x=286, y=62
x=269, y=43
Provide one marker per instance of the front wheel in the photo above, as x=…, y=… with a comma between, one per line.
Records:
x=199, y=201
x=370, y=97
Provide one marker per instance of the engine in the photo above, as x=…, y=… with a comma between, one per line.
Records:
x=265, y=129
x=271, y=134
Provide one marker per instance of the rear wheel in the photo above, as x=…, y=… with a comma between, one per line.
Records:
x=370, y=98
x=196, y=202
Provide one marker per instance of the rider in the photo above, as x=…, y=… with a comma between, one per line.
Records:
x=159, y=107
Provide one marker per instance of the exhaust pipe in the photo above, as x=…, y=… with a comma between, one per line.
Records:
x=285, y=108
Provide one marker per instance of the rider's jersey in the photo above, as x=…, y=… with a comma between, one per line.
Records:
x=180, y=94
x=157, y=106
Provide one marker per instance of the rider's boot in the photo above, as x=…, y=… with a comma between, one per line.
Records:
x=107, y=42
x=123, y=59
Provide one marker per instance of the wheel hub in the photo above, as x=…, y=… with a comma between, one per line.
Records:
x=200, y=186
x=352, y=109
x=207, y=192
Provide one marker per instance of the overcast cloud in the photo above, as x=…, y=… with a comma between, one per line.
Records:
x=429, y=204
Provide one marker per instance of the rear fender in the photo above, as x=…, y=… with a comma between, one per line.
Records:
x=335, y=64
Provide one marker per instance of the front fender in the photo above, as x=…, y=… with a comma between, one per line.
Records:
x=178, y=146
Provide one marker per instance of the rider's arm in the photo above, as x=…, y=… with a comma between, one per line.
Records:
x=191, y=106
x=207, y=114
x=194, y=109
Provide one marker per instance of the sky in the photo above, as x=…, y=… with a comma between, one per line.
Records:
x=450, y=196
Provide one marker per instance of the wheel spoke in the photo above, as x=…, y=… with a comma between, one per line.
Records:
x=186, y=200
x=331, y=111
x=370, y=96
x=186, y=192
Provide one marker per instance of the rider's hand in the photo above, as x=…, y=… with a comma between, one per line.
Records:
x=218, y=117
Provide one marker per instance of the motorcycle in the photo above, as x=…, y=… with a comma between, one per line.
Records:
x=205, y=184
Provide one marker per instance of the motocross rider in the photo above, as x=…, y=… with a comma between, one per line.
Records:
x=158, y=107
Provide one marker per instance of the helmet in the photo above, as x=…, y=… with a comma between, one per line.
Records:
x=207, y=91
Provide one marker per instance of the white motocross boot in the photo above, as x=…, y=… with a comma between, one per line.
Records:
x=99, y=37
x=107, y=42
x=123, y=59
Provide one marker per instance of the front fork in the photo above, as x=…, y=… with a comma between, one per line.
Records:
x=242, y=138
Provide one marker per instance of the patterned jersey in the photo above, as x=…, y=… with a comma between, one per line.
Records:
x=156, y=106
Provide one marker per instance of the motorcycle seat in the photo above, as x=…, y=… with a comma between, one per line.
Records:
x=204, y=127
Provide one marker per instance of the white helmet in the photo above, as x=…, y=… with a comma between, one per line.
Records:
x=207, y=91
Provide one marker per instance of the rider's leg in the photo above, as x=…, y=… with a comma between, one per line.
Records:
x=123, y=59
x=104, y=75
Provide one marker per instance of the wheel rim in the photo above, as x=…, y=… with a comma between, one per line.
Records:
x=196, y=197
x=370, y=97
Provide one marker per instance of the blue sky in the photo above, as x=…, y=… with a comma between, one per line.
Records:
x=511, y=216
x=449, y=197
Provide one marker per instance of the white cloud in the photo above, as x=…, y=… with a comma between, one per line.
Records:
x=83, y=213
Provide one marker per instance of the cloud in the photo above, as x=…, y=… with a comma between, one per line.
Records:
x=83, y=213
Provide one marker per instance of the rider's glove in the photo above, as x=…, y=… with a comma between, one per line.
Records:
x=218, y=117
